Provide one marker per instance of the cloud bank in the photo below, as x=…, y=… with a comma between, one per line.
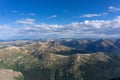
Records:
x=85, y=29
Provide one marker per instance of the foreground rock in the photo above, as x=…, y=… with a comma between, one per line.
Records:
x=8, y=74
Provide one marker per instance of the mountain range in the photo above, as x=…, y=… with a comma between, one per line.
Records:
x=65, y=59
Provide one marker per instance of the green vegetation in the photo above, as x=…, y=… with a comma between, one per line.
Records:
x=19, y=78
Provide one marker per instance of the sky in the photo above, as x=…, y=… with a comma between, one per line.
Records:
x=38, y=19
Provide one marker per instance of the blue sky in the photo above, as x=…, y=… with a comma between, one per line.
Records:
x=34, y=19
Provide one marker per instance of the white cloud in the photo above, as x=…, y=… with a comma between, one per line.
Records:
x=93, y=15
x=90, y=15
x=112, y=8
x=25, y=21
x=52, y=17
x=87, y=28
x=6, y=31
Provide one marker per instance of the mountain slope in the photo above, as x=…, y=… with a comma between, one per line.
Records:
x=92, y=46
